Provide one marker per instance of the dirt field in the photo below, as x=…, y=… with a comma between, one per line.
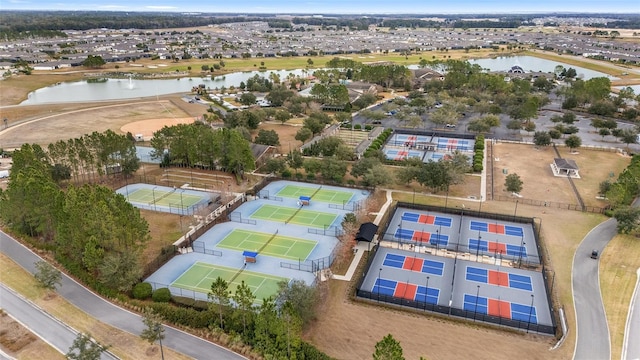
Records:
x=146, y=128
x=17, y=341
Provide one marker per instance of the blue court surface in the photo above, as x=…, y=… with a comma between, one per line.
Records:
x=405, y=290
x=426, y=219
x=497, y=248
x=500, y=308
x=500, y=278
x=414, y=264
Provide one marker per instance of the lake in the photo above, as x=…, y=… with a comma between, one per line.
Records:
x=118, y=89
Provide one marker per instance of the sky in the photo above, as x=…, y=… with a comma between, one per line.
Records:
x=335, y=6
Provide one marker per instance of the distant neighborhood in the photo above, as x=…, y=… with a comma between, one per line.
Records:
x=258, y=40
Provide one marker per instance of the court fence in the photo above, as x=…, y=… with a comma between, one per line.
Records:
x=236, y=216
x=177, y=291
x=552, y=204
x=330, y=231
x=312, y=266
x=167, y=253
x=264, y=194
x=351, y=205
x=201, y=247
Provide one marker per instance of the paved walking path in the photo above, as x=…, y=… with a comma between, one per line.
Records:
x=631, y=347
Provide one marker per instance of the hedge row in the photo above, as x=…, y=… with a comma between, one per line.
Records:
x=478, y=155
x=378, y=142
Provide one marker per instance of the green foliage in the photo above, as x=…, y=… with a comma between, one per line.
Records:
x=388, y=349
x=154, y=330
x=513, y=183
x=94, y=61
x=573, y=142
x=541, y=138
x=303, y=134
x=142, y=291
x=48, y=277
x=627, y=217
x=84, y=348
x=267, y=137
x=161, y=295
x=301, y=297
x=220, y=296
x=247, y=99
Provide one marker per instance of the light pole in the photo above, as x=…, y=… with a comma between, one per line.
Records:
x=530, y=311
x=480, y=207
x=426, y=292
x=475, y=310
x=522, y=243
x=379, y=277
x=437, y=238
x=478, y=246
x=515, y=210
x=159, y=331
x=153, y=193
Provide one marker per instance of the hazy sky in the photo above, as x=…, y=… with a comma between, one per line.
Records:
x=334, y=6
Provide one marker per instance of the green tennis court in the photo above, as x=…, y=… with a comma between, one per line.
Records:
x=200, y=276
x=268, y=244
x=171, y=198
x=318, y=194
x=296, y=216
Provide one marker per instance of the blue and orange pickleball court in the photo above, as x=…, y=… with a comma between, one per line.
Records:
x=414, y=264
x=496, y=228
x=500, y=308
x=497, y=247
x=427, y=219
x=499, y=278
x=422, y=237
x=451, y=144
x=406, y=290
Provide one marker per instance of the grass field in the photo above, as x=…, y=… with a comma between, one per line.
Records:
x=289, y=215
x=163, y=198
x=200, y=276
x=322, y=195
x=268, y=244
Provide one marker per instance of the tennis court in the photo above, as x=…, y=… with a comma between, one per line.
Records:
x=316, y=194
x=296, y=216
x=200, y=276
x=163, y=197
x=268, y=244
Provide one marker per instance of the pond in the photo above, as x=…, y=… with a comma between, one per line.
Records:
x=118, y=89
x=129, y=88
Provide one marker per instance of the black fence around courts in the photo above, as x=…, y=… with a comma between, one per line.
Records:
x=314, y=265
x=237, y=217
x=552, y=204
x=351, y=205
x=264, y=194
x=201, y=247
x=267, y=180
x=435, y=133
x=450, y=311
x=330, y=231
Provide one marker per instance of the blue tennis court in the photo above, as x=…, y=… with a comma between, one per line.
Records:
x=451, y=144
x=426, y=219
x=398, y=155
x=414, y=264
x=500, y=308
x=406, y=290
x=499, y=278
x=422, y=236
x=498, y=248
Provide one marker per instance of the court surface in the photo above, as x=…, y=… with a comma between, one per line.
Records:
x=163, y=197
x=200, y=276
x=316, y=194
x=268, y=244
x=297, y=216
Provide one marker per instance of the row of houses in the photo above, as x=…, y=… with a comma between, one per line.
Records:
x=258, y=40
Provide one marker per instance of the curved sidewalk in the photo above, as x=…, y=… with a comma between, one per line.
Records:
x=592, y=330
x=108, y=313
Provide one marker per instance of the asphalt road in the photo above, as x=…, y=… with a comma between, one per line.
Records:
x=631, y=348
x=592, y=333
x=113, y=315
x=54, y=332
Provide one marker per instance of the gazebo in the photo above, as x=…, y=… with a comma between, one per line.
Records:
x=367, y=232
x=565, y=167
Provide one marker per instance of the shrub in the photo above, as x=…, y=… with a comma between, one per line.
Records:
x=286, y=174
x=368, y=127
x=299, y=176
x=161, y=295
x=142, y=291
x=477, y=167
x=311, y=176
x=357, y=127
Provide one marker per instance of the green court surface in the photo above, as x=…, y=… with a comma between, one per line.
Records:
x=296, y=216
x=318, y=194
x=268, y=244
x=200, y=276
x=173, y=198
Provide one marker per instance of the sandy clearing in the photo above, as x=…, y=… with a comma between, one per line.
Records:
x=146, y=128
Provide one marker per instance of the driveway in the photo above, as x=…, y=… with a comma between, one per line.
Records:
x=592, y=329
x=54, y=332
x=113, y=315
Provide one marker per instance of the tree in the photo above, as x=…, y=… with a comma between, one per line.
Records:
x=278, y=95
x=302, y=298
x=94, y=62
x=153, y=331
x=573, y=142
x=219, y=296
x=247, y=99
x=388, y=349
x=283, y=116
x=84, y=348
x=120, y=271
x=514, y=125
x=376, y=176
x=513, y=183
x=244, y=298
x=628, y=136
x=48, y=277
x=542, y=138
x=627, y=217
x=275, y=165
x=295, y=160
x=267, y=137
x=303, y=134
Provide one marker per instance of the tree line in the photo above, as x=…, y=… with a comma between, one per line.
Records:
x=95, y=233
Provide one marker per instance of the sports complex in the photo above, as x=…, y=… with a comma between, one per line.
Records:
x=289, y=231
x=426, y=147
x=484, y=267
x=167, y=199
